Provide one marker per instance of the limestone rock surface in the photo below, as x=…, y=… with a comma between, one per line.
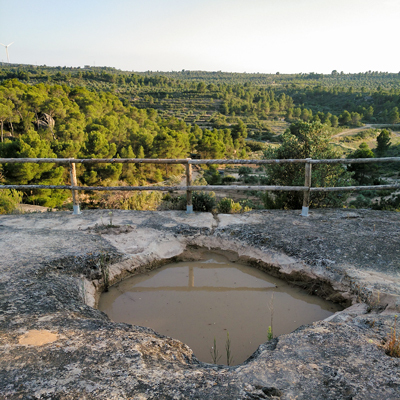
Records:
x=54, y=343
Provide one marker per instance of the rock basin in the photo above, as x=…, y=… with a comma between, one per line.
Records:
x=55, y=344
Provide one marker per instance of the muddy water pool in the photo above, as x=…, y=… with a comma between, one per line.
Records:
x=198, y=301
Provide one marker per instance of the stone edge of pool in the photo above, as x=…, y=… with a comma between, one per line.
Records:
x=54, y=344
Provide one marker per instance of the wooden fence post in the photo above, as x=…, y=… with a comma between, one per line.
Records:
x=75, y=194
x=189, y=202
x=307, y=183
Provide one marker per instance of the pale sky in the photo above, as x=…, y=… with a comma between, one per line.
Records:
x=289, y=36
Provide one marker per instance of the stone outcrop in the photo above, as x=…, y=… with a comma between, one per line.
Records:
x=55, y=344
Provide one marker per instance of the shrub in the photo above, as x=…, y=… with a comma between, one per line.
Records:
x=212, y=176
x=227, y=206
x=130, y=201
x=228, y=179
x=361, y=202
x=392, y=346
x=173, y=203
x=203, y=201
x=250, y=179
x=391, y=204
x=245, y=171
x=9, y=200
x=200, y=181
x=248, y=205
x=236, y=208
x=255, y=146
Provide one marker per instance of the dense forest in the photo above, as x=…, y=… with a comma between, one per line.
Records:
x=96, y=112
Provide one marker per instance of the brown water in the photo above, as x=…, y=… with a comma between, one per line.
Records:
x=197, y=301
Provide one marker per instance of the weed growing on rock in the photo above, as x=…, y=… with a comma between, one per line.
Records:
x=270, y=334
x=392, y=345
x=271, y=311
x=229, y=358
x=214, y=353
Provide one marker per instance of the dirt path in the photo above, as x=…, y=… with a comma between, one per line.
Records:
x=354, y=131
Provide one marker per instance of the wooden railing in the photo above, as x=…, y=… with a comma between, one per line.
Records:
x=189, y=188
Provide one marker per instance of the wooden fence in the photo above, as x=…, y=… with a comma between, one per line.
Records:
x=189, y=188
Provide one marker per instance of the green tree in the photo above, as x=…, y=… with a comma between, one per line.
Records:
x=30, y=145
x=364, y=174
x=305, y=140
x=356, y=119
x=383, y=142
x=201, y=87
x=6, y=109
x=128, y=173
x=209, y=146
x=297, y=112
x=394, y=116
x=334, y=121
x=345, y=118
x=35, y=97
x=5, y=113
x=306, y=115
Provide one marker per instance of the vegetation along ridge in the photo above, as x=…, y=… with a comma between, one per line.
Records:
x=99, y=112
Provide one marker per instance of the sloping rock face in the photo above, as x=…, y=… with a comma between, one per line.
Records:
x=55, y=344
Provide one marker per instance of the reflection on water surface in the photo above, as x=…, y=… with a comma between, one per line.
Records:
x=197, y=301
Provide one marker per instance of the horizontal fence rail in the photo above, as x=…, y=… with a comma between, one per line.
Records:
x=189, y=188
x=192, y=161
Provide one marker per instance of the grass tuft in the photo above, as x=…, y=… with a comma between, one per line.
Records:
x=392, y=345
x=215, y=353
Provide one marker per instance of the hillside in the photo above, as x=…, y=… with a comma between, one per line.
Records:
x=96, y=112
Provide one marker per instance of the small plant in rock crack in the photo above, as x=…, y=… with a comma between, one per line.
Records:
x=270, y=334
x=229, y=358
x=110, y=214
x=392, y=345
x=214, y=353
x=271, y=311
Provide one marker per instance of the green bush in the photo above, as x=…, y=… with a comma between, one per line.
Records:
x=9, y=200
x=248, y=205
x=200, y=181
x=391, y=204
x=203, y=201
x=250, y=179
x=212, y=177
x=228, y=179
x=245, y=171
x=129, y=201
x=255, y=146
x=361, y=202
x=236, y=208
x=227, y=206
x=173, y=203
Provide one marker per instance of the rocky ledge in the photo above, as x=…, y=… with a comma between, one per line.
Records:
x=55, y=344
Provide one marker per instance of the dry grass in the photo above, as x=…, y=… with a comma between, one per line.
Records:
x=392, y=345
